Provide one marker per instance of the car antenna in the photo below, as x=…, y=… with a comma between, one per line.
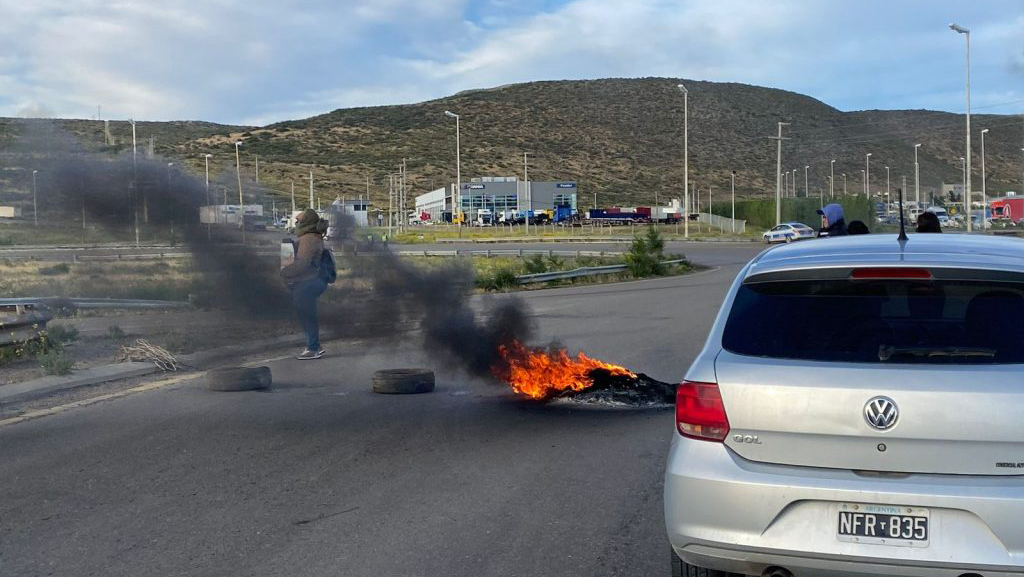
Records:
x=903, y=227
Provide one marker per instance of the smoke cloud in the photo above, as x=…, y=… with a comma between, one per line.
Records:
x=378, y=295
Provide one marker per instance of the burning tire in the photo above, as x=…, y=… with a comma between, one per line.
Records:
x=403, y=381
x=238, y=379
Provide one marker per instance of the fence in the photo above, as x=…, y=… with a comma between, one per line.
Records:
x=724, y=223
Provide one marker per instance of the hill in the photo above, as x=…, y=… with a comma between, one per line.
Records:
x=620, y=138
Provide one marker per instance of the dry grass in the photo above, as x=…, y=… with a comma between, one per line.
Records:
x=164, y=280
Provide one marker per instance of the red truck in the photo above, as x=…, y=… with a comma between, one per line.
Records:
x=1008, y=208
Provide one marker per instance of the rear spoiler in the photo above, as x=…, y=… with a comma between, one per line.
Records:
x=938, y=273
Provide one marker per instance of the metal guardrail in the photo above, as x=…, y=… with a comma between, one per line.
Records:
x=506, y=252
x=580, y=272
x=21, y=321
x=94, y=303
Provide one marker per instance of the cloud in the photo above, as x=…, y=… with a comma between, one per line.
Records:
x=261, y=61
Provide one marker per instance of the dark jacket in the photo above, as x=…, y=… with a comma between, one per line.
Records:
x=307, y=259
x=837, y=228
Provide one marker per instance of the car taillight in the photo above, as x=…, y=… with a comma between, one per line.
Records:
x=700, y=413
x=894, y=273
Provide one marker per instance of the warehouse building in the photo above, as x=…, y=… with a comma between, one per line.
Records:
x=498, y=194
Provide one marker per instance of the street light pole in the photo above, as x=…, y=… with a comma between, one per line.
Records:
x=867, y=175
x=844, y=184
x=963, y=168
x=917, y=178
x=888, y=205
x=733, y=224
x=135, y=192
x=206, y=158
x=241, y=200
x=807, y=191
x=457, y=201
x=984, y=195
x=686, y=161
x=832, y=179
x=35, y=211
x=967, y=166
x=526, y=191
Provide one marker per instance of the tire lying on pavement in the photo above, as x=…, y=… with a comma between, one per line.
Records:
x=403, y=381
x=238, y=379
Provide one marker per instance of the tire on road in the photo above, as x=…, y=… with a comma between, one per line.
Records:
x=238, y=379
x=403, y=381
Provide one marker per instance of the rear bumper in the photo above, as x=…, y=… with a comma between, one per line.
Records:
x=727, y=513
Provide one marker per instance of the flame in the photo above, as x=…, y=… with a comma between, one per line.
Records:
x=539, y=373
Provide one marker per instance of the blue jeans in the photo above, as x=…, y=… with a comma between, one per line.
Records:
x=304, y=295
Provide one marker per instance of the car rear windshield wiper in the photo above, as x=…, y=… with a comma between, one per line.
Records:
x=886, y=352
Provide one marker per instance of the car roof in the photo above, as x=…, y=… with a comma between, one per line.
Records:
x=970, y=251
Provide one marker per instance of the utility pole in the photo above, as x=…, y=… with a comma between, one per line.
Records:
x=241, y=199
x=844, y=184
x=310, y=189
x=887, y=197
x=778, y=174
x=832, y=180
x=35, y=210
x=293, y=199
x=257, y=169
x=967, y=133
x=732, y=225
x=135, y=184
x=686, y=159
x=984, y=193
x=807, y=190
x=917, y=178
x=526, y=191
x=867, y=175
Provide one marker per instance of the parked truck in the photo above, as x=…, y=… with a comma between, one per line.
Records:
x=1009, y=208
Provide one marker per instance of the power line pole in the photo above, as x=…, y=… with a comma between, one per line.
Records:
x=778, y=173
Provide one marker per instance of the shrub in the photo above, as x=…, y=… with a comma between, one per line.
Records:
x=503, y=278
x=55, y=362
x=61, y=268
x=536, y=264
x=61, y=333
x=646, y=253
x=115, y=332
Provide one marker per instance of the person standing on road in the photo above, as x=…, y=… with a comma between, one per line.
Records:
x=304, y=280
x=832, y=223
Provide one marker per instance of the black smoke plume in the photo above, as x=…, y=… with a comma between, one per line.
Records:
x=382, y=296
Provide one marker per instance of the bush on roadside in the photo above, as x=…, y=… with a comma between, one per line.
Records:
x=503, y=278
x=55, y=362
x=57, y=269
x=536, y=264
x=116, y=332
x=646, y=253
x=61, y=333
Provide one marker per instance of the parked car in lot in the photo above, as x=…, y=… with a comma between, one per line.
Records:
x=788, y=232
x=880, y=433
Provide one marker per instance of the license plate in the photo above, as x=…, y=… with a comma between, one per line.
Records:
x=883, y=524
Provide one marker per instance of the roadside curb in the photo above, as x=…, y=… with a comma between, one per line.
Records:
x=96, y=375
x=201, y=360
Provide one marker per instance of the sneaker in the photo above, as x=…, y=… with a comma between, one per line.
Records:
x=308, y=354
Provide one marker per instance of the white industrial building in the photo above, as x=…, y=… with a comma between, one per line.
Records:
x=497, y=194
x=357, y=209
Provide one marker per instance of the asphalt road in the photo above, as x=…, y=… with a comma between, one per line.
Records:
x=319, y=476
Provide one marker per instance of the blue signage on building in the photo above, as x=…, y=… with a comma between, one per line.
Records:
x=566, y=185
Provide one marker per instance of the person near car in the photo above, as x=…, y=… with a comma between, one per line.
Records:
x=833, y=223
x=857, y=227
x=304, y=280
x=928, y=222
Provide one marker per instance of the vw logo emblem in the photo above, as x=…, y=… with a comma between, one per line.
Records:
x=881, y=413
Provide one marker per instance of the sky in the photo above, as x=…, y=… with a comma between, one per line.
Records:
x=256, y=62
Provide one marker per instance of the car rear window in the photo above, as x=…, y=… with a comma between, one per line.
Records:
x=894, y=321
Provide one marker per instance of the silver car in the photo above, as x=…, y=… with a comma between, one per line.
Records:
x=858, y=409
